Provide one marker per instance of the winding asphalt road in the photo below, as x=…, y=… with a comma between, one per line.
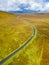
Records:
x=20, y=48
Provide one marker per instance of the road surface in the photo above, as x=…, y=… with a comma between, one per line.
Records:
x=20, y=48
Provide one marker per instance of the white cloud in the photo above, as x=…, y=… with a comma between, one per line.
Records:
x=47, y=6
x=32, y=5
x=17, y=9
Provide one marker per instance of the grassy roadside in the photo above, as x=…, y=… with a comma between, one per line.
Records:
x=36, y=53
x=13, y=32
x=41, y=21
x=31, y=54
x=17, y=56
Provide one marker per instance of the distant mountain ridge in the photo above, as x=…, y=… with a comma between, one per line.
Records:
x=24, y=11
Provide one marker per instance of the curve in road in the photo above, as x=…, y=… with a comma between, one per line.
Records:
x=16, y=51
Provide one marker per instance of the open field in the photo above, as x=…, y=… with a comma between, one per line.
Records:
x=37, y=52
x=13, y=33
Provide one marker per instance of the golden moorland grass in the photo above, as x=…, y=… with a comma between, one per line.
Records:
x=13, y=33
x=37, y=52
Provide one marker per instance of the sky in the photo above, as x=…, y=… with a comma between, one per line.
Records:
x=20, y=5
